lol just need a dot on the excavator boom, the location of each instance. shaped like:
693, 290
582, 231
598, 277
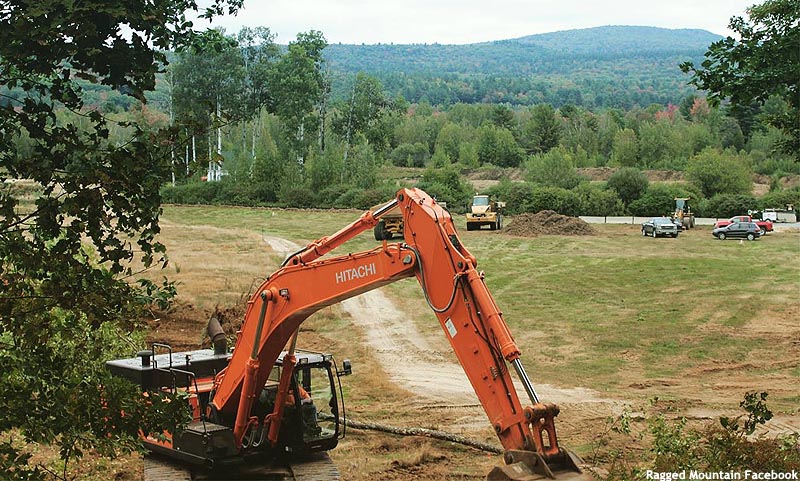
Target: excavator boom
452, 287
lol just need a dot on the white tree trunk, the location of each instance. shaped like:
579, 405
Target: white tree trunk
256, 125
219, 131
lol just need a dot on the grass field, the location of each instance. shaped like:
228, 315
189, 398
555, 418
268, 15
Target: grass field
692, 320
595, 307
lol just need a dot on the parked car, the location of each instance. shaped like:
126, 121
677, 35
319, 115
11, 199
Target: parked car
764, 225
660, 226
738, 230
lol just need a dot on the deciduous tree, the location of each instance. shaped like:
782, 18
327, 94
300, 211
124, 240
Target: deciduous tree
715, 172
298, 86
764, 61
65, 256
629, 183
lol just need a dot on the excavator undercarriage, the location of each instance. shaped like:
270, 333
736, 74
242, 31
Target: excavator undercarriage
311, 467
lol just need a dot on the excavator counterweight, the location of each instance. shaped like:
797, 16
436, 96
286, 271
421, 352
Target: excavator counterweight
268, 400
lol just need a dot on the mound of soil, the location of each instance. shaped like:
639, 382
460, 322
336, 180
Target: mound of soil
183, 326
548, 222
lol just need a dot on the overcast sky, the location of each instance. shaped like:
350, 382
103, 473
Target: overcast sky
468, 21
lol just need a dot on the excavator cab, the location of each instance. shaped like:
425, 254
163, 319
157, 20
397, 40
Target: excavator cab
312, 410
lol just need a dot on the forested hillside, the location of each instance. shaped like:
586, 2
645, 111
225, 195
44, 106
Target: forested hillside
612, 66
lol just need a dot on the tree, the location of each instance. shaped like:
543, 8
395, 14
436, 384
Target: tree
65, 257
556, 168
543, 131
210, 87
625, 148
259, 51
659, 143
715, 172
298, 87
764, 62
497, 146
503, 116
629, 183
367, 112
451, 138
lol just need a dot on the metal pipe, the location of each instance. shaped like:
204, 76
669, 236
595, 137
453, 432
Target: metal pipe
249, 387
389, 206
217, 336
523, 376
260, 325
293, 343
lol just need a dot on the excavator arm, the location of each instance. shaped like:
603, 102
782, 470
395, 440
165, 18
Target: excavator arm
453, 288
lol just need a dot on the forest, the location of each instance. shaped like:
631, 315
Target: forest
601, 67
292, 126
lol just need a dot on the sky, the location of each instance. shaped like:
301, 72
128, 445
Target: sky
470, 21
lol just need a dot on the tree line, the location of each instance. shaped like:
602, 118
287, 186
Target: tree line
327, 152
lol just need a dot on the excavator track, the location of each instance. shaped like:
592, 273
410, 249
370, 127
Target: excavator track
160, 469
315, 467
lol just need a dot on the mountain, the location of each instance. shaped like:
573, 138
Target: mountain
610, 66
622, 40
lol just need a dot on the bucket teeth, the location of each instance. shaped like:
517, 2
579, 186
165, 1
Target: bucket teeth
532, 466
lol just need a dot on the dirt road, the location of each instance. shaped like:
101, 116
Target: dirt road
434, 376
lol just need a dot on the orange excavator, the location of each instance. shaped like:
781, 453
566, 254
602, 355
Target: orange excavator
275, 409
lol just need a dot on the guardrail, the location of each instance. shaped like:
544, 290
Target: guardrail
636, 220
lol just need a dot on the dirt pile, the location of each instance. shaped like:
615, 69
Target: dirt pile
548, 222
183, 326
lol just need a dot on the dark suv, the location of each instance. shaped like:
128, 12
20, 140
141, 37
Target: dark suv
738, 230
660, 226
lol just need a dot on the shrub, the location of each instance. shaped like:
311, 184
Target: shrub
301, 197
722, 447
516, 195
597, 201
327, 197
727, 205
355, 198
555, 168
660, 200
446, 185
410, 155
779, 198
563, 201
629, 183
192, 193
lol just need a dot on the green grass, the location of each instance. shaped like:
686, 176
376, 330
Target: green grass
596, 311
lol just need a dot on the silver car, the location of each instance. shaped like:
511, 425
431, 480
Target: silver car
660, 226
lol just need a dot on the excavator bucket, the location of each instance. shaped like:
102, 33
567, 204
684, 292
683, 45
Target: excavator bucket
532, 466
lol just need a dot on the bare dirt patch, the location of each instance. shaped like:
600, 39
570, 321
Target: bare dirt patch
596, 174
548, 222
